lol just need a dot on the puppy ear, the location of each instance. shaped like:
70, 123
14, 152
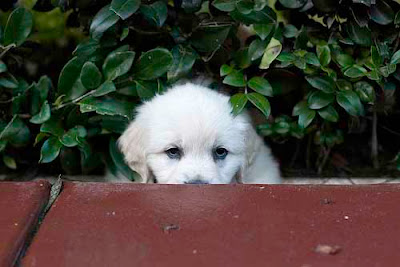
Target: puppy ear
132, 145
253, 145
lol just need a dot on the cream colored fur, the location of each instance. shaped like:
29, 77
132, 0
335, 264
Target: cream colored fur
197, 120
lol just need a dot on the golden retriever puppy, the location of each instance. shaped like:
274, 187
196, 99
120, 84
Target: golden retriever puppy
189, 135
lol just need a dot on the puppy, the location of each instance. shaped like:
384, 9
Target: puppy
189, 135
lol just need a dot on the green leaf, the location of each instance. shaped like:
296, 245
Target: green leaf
107, 106
155, 13
263, 30
343, 84
225, 70
306, 116
264, 16
145, 89
18, 27
292, 3
271, 53
235, 78
329, 113
183, 61
3, 145
397, 18
103, 20
50, 150
43, 115
365, 91
8, 82
69, 82
238, 102
90, 75
355, 72
387, 70
375, 56
153, 64
373, 75
323, 83
350, 101
52, 126
382, 13
117, 64
3, 67
324, 54
124, 34
9, 162
319, 99
260, 85
125, 8
39, 93
290, 31
395, 58
242, 58
261, 102
361, 36
15, 132
256, 49
312, 59
299, 107
224, 5
209, 39
71, 137
244, 6
105, 88
345, 60
286, 57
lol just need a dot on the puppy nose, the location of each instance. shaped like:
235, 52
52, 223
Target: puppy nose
197, 181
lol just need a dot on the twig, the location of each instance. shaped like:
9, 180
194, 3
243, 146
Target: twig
6, 49
75, 100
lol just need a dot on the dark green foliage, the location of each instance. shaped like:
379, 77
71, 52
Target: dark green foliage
343, 58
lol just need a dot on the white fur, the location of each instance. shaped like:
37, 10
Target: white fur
197, 120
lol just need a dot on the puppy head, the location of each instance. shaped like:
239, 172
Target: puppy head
188, 135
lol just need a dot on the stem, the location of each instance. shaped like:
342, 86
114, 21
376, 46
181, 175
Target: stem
374, 141
327, 152
75, 100
6, 49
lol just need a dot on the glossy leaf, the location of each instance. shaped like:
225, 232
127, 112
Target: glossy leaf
256, 49
382, 13
119, 162
43, 115
103, 20
125, 8
209, 39
235, 78
106, 88
183, 61
152, 64
50, 150
306, 116
3, 67
293, 3
375, 56
261, 102
319, 99
260, 85
329, 113
71, 137
263, 30
395, 58
238, 102
69, 82
225, 70
343, 84
324, 54
18, 27
323, 83
344, 60
350, 101
90, 75
107, 106
355, 71
156, 13
224, 5
117, 64
145, 89
290, 31
312, 59
9, 162
365, 91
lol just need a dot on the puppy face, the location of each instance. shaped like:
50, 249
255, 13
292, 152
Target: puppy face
187, 135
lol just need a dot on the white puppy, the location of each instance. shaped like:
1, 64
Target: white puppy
188, 135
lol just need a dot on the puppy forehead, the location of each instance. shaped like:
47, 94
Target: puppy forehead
192, 114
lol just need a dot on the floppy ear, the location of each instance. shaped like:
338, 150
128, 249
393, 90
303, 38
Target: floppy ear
254, 144
132, 145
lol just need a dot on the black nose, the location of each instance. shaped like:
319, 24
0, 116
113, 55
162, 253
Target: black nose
197, 182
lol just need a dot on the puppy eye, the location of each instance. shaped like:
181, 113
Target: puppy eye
220, 153
173, 153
